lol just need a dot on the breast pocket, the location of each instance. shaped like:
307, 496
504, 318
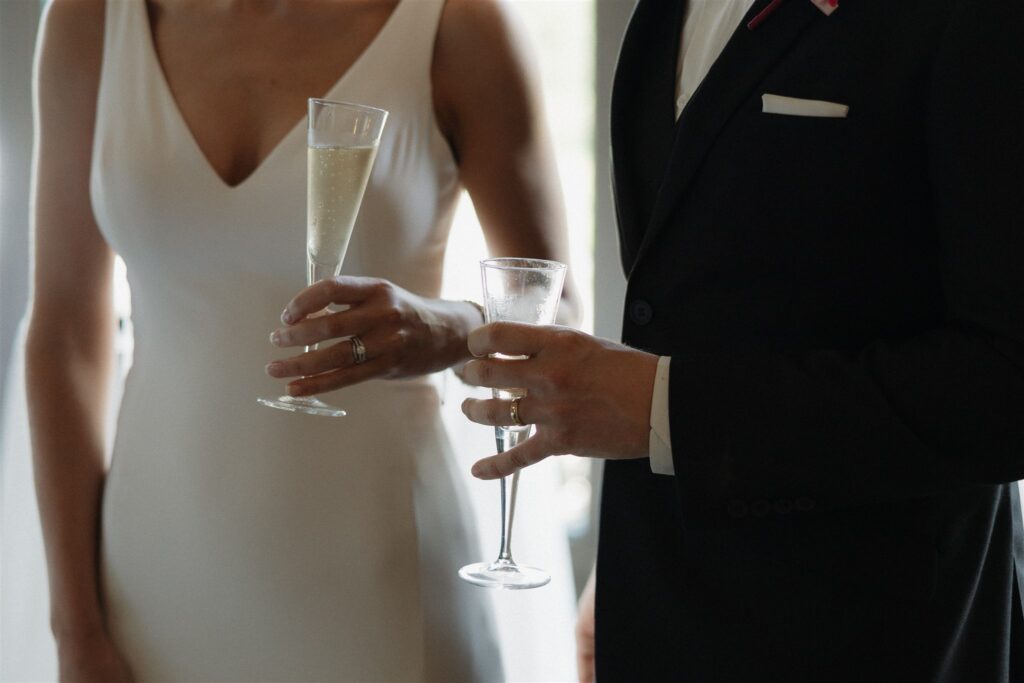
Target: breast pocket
782, 105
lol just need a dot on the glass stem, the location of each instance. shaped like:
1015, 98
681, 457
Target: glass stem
506, 439
504, 554
315, 272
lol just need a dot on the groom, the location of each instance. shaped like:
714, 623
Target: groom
814, 426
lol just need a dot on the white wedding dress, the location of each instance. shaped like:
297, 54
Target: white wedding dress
241, 543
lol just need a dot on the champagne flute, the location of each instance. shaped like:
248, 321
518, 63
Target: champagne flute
527, 291
342, 143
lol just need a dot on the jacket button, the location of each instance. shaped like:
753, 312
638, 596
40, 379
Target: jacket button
640, 312
738, 509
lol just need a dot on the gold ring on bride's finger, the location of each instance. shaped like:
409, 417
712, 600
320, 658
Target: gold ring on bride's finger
513, 411
358, 350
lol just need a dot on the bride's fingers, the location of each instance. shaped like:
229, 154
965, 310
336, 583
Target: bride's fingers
338, 379
342, 289
324, 327
527, 453
314, 362
333, 357
498, 411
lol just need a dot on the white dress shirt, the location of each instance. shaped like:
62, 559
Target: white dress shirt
707, 28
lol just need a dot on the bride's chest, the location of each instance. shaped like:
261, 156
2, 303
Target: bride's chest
240, 82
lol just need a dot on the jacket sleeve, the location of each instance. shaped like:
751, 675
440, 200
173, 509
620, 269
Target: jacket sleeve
936, 412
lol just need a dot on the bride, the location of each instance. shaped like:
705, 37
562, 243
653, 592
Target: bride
229, 541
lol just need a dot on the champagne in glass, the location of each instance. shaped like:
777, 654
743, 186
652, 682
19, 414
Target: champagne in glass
527, 291
336, 179
343, 140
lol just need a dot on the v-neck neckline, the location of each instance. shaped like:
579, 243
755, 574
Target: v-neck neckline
165, 87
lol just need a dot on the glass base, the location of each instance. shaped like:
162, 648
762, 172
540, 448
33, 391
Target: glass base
302, 404
504, 574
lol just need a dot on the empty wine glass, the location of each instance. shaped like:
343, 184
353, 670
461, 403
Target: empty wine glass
527, 291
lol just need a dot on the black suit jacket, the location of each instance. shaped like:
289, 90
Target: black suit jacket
843, 301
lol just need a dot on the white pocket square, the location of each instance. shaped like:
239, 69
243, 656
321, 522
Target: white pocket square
794, 106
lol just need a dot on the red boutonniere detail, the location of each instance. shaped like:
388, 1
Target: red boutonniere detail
826, 6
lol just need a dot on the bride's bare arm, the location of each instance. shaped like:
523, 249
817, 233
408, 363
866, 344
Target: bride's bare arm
488, 108
70, 332
487, 101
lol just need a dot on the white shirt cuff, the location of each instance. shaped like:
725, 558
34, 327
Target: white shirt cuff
660, 445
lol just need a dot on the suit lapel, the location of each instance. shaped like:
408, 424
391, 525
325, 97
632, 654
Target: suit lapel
746, 60
642, 115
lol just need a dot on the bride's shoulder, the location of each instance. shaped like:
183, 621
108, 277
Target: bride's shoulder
77, 21
70, 48
483, 20
69, 58
482, 68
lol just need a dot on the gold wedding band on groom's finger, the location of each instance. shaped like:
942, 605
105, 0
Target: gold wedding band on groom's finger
513, 411
358, 350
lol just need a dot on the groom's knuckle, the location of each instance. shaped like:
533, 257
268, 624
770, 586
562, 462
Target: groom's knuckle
555, 379
569, 340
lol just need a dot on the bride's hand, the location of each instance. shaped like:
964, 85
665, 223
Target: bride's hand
403, 334
92, 659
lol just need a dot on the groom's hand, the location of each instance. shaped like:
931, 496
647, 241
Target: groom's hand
586, 396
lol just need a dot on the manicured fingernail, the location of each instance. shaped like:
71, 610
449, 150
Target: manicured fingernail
275, 338
465, 407
286, 317
477, 471
293, 390
272, 368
